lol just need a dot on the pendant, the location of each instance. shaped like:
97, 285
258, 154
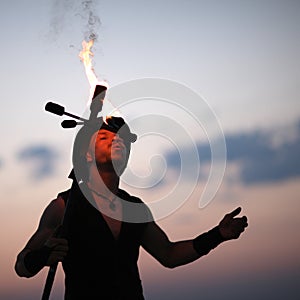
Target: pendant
112, 206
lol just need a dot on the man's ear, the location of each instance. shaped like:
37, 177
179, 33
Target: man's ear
89, 157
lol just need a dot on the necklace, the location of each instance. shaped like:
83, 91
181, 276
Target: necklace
112, 205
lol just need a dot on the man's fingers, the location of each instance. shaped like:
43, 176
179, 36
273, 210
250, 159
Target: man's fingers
61, 248
61, 241
234, 213
52, 242
245, 220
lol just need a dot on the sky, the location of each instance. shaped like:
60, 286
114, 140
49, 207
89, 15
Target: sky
190, 77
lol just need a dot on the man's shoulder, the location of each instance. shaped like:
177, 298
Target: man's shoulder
64, 195
121, 193
128, 197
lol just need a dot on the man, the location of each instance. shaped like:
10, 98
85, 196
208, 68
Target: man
100, 251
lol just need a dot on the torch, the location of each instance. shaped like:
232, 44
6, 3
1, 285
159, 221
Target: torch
95, 108
79, 149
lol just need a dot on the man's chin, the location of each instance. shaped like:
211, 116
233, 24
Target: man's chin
119, 165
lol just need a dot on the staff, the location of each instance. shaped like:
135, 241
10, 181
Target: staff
78, 148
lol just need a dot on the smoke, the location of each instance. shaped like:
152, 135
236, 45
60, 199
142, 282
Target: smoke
59, 15
69, 17
91, 20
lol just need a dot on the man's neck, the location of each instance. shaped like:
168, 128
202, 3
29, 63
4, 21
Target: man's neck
104, 181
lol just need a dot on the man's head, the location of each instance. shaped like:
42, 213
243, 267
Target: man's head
107, 147
108, 151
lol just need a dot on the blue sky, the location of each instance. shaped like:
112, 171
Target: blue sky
242, 57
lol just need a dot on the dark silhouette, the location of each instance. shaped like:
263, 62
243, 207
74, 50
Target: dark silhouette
98, 250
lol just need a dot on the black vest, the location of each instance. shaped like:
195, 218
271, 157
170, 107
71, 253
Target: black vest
97, 265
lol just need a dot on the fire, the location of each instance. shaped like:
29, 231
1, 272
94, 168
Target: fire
86, 56
109, 111
105, 120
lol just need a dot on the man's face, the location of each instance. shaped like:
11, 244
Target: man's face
108, 150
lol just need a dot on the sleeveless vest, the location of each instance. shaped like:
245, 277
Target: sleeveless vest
97, 265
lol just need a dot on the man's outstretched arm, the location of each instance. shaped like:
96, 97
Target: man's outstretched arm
173, 254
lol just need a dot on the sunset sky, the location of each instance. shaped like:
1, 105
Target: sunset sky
240, 60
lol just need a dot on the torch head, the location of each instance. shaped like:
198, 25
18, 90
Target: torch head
97, 100
100, 91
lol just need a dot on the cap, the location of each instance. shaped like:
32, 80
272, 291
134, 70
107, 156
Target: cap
118, 125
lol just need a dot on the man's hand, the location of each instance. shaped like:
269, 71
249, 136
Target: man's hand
230, 227
59, 249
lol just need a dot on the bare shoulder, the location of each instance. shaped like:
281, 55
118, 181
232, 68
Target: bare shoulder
48, 223
53, 214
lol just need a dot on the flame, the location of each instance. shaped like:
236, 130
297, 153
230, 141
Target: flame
110, 111
86, 56
106, 119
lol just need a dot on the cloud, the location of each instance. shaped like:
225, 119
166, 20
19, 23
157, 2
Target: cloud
263, 162
41, 159
259, 157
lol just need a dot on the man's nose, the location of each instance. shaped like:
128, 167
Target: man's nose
118, 139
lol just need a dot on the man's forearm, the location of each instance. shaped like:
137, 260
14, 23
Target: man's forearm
181, 253
31, 262
184, 252
20, 267
207, 241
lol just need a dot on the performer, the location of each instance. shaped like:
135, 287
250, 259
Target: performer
99, 251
